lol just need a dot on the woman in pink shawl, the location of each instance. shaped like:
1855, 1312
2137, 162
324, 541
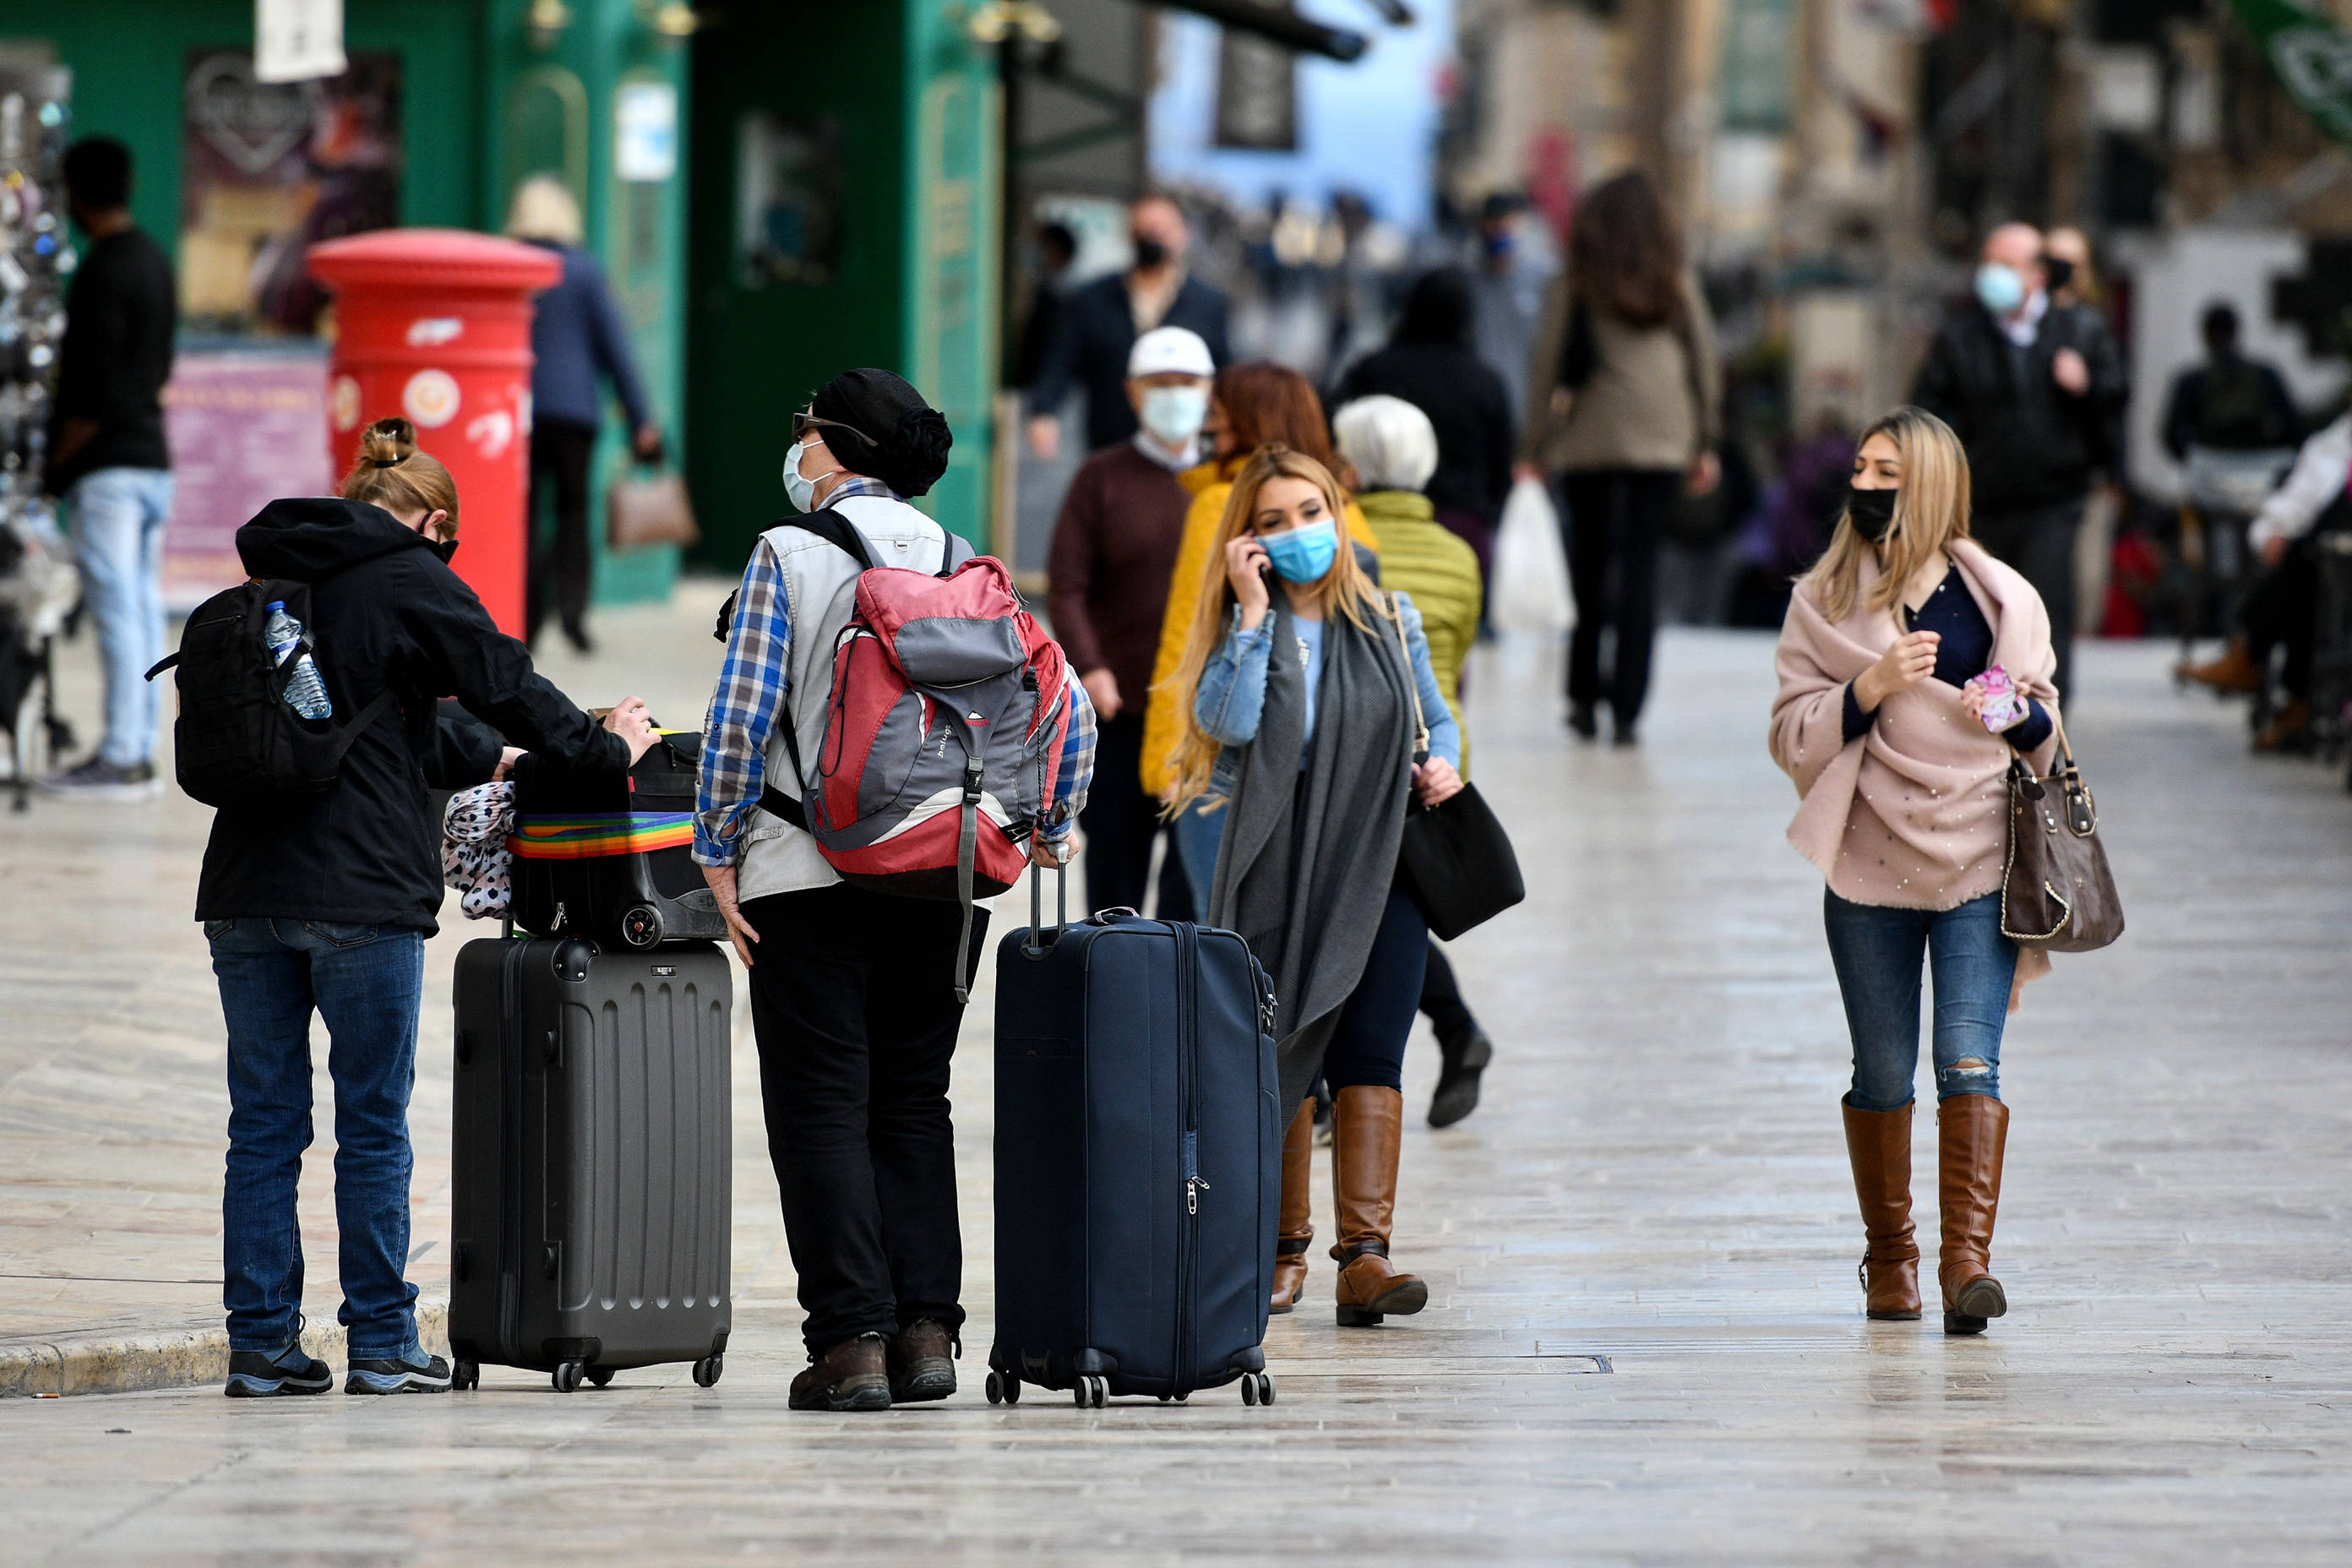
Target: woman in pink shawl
1912, 667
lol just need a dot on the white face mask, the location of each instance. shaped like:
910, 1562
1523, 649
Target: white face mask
802, 493
1174, 414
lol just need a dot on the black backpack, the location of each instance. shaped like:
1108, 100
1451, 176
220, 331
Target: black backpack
237, 737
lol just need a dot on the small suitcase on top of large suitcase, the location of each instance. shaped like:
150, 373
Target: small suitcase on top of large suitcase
590, 1175
1138, 1152
609, 855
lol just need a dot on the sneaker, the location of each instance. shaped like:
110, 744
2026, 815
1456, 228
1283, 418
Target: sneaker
398, 1376
97, 780
257, 1375
921, 1361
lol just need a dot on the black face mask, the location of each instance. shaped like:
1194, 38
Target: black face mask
1872, 511
1150, 252
2058, 271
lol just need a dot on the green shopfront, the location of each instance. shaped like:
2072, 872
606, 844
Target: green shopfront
776, 192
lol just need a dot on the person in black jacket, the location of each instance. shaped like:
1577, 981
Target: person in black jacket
1099, 324
324, 902
1430, 364
2035, 389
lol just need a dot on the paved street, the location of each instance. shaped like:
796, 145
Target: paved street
1645, 1343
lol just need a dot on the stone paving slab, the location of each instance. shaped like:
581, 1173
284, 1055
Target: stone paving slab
1656, 1179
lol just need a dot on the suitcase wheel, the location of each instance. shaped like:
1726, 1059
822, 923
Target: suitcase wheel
1265, 1388
1249, 1388
599, 1376
707, 1370
566, 1376
1089, 1391
641, 926
1003, 1388
465, 1375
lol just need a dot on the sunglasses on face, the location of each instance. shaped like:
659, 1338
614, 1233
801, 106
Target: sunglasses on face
803, 423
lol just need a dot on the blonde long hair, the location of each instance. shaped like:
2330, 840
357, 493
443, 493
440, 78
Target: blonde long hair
1344, 588
1931, 509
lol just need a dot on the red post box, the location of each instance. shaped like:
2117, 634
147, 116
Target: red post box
435, 324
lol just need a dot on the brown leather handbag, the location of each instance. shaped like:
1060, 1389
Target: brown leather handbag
649, 508
2056, 892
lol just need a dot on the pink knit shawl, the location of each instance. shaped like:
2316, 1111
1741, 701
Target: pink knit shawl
1913, 814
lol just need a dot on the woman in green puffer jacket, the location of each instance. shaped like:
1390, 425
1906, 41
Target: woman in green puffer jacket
1393, 449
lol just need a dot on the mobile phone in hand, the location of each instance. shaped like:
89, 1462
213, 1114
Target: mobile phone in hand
2004, 704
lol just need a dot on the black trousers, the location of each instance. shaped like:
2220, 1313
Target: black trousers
1441, 998
1122, 823
2282, 610
2039, 543
853, 1005
1612, 522
559, 566
1368, 1045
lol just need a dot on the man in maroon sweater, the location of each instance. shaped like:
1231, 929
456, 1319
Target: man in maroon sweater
1114, 550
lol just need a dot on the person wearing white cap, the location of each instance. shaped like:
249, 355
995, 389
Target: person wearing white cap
1114, 551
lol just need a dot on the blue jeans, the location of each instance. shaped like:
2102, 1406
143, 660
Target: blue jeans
118, 541
367, 982
1878, 953
1198, 834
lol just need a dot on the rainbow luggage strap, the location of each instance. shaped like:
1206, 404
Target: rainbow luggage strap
593, 836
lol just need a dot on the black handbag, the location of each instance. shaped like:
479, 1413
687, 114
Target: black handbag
1454, 855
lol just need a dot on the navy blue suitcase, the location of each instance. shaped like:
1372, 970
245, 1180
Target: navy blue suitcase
1138, 1160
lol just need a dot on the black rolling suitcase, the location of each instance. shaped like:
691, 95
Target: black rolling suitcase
610, 857
1138, 1154
590, 1169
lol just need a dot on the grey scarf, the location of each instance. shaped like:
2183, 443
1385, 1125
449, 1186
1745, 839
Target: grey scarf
1305, 867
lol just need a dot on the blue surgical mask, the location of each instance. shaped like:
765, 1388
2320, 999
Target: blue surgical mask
2002, 288
1304, 554
800, 492
1174, 414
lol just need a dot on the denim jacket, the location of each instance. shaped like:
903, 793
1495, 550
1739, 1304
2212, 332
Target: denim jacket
1233, 691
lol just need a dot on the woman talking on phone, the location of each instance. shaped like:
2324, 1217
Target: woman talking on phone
1912, 667
1298, 691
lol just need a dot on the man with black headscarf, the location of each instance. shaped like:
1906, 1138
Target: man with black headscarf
1430, 364
852, 1000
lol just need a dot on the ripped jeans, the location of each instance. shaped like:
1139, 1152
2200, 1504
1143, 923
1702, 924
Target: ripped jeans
1877, 951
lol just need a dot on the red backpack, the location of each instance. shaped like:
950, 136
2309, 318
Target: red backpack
944, 733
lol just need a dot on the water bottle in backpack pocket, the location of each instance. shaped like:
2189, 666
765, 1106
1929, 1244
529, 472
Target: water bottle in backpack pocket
305, 692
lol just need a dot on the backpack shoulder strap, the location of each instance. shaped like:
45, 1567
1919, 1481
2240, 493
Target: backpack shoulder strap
958, 552
836, 529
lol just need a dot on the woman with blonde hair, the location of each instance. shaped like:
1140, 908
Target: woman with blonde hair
576, 335
1912, 668
1302, 689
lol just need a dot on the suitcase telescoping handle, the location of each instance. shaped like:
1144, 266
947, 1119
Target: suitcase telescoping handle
1031, 946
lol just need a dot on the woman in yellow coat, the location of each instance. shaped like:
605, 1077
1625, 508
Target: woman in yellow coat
1252, 405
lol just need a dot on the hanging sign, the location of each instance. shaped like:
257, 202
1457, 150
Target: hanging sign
2311, 54
645, 132
297, 40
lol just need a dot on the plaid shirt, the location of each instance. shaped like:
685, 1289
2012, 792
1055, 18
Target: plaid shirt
754, 694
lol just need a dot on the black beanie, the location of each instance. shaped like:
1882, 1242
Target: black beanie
905, 439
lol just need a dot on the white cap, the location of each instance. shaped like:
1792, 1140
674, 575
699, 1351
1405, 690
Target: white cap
1170, 351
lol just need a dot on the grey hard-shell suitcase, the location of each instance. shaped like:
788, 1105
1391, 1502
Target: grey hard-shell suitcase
592, 1158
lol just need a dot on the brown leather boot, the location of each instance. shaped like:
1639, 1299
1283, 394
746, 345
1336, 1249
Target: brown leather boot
1972, 1131
921, 1361
2290, 728
1878, 1143
1367, 1128
2235, 671
1297, 1226
850, 1375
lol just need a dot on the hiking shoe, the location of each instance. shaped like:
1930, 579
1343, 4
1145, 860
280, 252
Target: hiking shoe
922, 1359
257, 1375
392, 1374
849, 1376
97, 780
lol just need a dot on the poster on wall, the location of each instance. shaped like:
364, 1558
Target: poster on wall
788, 206
270, 168
245, 426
